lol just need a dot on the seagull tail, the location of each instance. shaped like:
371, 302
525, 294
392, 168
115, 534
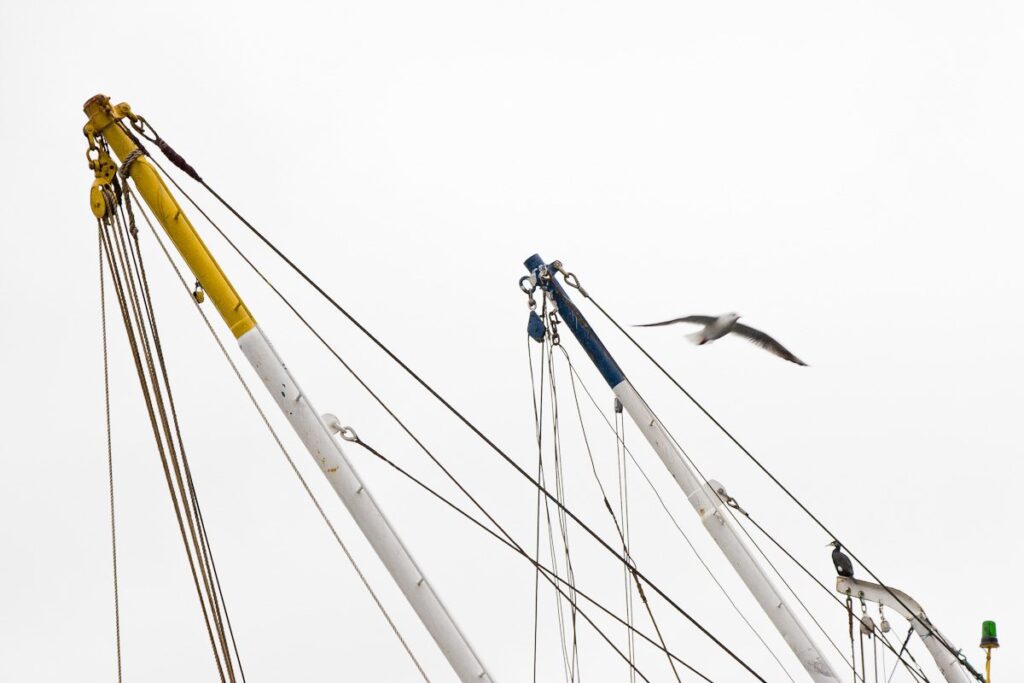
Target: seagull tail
697, 338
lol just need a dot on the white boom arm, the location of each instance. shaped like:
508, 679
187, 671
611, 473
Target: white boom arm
947, 662
331, 460
722, 530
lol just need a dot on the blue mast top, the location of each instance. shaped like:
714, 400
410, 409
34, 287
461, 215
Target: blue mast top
576, 323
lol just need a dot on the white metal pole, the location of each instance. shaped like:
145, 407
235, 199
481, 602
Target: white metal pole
706, 503
718, 523
912, 611
331, 460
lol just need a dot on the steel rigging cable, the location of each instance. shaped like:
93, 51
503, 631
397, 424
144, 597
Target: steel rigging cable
110, 452
179, 161
184, 284
131, 288
574, 283
287, 455
433, 392
615, 521
560, 497
730, 508
550, 575
537, 412
205, 552
671, 517
538, 403
541, 489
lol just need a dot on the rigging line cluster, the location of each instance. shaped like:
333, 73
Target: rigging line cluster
563, 525
568, 661
560, 584
730, 505
119, 240
917, 673
284, 451
956, 653
218, 592
316, 287
451, 408
548, 346
537, 412
631, 566
664, 506
337, 356
323, 341
549, 574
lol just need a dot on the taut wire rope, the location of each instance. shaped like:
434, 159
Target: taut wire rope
110, 454
675, 522
511, 544
732, 508
468, 423
608, 506
538, 401
549, 575
961, 659
125, 288
287, 455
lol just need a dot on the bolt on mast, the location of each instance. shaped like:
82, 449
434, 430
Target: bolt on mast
705, 501
105, 122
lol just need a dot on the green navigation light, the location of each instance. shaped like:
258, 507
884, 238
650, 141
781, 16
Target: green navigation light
988, 635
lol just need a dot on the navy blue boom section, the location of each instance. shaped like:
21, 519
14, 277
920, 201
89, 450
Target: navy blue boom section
577, 324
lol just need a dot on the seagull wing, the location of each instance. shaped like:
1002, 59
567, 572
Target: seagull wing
765, 342
696, 319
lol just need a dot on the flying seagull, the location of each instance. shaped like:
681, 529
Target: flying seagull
716, 328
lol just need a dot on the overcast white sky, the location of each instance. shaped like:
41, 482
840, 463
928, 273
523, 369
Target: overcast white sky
846, 175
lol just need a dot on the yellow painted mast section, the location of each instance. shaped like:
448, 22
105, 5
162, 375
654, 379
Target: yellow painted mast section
104, 121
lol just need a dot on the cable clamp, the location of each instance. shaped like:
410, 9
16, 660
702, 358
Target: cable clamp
139, 123
570, 278
729, 500
126, 165
528, 285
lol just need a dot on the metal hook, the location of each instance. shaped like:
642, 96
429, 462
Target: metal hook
528, 290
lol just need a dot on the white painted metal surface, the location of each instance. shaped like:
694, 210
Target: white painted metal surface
331, 460
722, 530
923, 627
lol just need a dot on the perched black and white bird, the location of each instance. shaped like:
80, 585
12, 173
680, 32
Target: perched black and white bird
718, 327
844, 567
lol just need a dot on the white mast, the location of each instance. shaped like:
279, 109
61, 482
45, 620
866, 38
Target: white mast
706, 503
331, 460
104, 121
